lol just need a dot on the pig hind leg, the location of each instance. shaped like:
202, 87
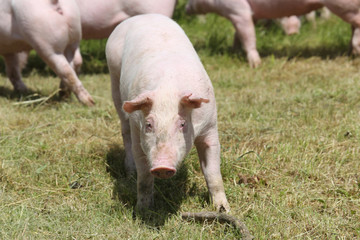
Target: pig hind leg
14, 63
245, 31
69, 80
73, 56
208, 149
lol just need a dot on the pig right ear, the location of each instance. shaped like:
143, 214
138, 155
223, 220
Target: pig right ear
141, 102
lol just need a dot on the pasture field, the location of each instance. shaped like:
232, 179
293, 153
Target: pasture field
289, 133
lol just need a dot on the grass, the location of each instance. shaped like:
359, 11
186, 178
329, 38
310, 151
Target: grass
290, 146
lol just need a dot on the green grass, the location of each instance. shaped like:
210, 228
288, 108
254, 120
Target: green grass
290, 146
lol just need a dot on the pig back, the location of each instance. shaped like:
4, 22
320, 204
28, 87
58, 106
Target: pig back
158, 53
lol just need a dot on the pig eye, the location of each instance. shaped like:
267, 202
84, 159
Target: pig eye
182, 125
148, 127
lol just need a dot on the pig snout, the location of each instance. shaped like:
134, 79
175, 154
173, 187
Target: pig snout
163, 172
163, 161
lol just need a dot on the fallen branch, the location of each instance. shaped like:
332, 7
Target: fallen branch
222, 218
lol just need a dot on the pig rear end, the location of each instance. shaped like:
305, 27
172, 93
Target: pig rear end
53, 29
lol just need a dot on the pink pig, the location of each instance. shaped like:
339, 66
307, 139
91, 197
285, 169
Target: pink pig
291, 25
242, 13
53, 29
165, 101
99, 17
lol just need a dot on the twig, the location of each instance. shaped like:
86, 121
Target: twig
39, 100
222, 218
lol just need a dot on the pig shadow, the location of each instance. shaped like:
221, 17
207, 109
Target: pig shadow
217, 47
218, 44
168, 194
31, 98
326, 52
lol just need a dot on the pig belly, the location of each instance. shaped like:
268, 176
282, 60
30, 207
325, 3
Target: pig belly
12, 45
282, 8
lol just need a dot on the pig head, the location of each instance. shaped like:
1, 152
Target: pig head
166, 129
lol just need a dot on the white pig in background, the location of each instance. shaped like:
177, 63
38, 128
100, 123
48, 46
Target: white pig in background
242, 12
53, 29
100, 17
166, 103
291, 25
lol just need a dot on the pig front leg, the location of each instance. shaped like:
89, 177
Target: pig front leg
125, 125
145, 180
208, 148
126, 134
14, 63
145, 185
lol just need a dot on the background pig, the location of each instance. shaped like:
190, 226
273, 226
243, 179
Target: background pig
166, 103
242, 12
99, 18
53, 29
291, 25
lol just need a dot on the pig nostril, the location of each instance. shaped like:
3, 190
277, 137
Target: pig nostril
170, 173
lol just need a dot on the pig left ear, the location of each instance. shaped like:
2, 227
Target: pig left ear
139, 103
191, 101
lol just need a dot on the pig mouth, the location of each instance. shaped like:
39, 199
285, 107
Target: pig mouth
163, 172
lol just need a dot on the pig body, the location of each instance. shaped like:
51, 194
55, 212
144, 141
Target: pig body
166, 103
99, 18
52, 28
242, 13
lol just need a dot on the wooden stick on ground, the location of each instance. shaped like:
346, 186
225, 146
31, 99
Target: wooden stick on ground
222, 218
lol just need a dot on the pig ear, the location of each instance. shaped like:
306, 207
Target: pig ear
139, 103
191, 101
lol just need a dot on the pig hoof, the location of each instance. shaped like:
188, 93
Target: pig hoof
163, 172
223, 207
254, 59
21, 88
86, 99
